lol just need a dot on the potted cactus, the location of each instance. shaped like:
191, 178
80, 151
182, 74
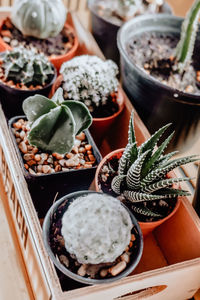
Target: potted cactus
56, 152
141, 178
41, 24
23, 72
89, 79
72, 233
109, 15
160, 71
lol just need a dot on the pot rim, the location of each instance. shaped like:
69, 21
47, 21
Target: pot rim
52, 59
120, 102
66, 271
195, 99
145, 224
29, 176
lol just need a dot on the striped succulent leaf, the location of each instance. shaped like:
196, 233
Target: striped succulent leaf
131, 130
142, 210
162, 184
150, 163
134, 173
164, 159
172, 193
128, 157
141, 197
116, 183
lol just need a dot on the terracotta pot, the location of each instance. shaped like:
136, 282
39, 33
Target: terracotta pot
58, 59
146, 227
99, 126
12, 98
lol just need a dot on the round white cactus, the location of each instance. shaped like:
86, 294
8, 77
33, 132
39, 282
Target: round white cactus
96, 228
39, 18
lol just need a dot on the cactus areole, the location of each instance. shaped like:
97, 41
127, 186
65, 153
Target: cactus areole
96, 228
55, 122
39, 18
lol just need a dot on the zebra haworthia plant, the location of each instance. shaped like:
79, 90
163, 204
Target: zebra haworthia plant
185, 47
142, 171
55, 122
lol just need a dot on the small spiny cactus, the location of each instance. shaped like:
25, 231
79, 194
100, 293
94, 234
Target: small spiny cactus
26, 66
55, 122
185, 47
142, 172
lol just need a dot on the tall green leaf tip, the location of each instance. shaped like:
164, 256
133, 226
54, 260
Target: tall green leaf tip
55, 123
185, 47
142, 171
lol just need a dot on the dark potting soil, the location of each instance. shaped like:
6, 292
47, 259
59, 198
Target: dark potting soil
59, 45
154, 53
57, 245
161, 207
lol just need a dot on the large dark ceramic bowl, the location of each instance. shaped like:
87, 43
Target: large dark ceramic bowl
12, 98
44, 188
46, 237
156, 103
105, 31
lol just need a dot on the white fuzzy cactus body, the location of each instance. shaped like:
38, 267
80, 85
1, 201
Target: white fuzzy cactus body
96, 228
39, 18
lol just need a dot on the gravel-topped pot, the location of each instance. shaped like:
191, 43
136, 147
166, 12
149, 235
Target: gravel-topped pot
156, 102
83, 264
41, 24
18, 84
105, 30
142, 178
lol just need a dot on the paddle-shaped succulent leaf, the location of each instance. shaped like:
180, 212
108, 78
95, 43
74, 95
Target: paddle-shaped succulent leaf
142, 172
39, 18
26, 66
185, 47
55, 123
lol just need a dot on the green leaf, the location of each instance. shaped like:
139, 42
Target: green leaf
54, 131
36, 106
131, 130
58, 96
81, 115
141, 197
128, 157
172, 193
116, 183
141, 210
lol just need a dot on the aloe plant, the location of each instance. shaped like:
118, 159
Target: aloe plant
55, 122
142, 171
185, 47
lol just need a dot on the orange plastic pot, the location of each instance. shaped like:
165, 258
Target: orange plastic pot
99, 126
56, 60
146, 227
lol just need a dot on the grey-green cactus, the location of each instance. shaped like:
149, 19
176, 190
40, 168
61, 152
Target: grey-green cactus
26, 66
55, 122
185, 47
39, 18
142, 171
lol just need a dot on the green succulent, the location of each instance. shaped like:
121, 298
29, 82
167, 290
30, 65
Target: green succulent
185, 47
55, 122
142, 171
26, 66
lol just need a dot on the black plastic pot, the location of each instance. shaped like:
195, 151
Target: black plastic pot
156, 103
105, 31
44, 188
46, 237
12, 98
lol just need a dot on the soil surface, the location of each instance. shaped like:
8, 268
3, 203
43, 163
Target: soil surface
56, 242
162, 207
154, 53
59, 45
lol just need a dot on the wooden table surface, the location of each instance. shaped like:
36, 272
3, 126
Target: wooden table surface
14, 284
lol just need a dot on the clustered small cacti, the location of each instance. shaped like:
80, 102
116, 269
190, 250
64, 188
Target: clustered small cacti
89, 79
55, 123
185, 47
142, 172
96, 229
26, 66
39, 18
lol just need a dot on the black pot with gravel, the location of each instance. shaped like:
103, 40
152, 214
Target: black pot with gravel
160, 74
55, 150
106, 21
